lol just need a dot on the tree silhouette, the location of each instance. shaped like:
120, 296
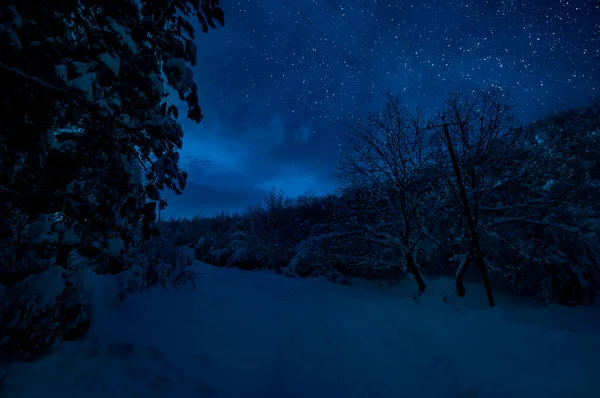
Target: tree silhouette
89, 137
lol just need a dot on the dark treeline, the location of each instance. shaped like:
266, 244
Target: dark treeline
533, 195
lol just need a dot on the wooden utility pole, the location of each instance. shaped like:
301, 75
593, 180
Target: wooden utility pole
468, 215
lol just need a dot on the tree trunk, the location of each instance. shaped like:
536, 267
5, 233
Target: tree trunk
62, 256
470, 221
460, 276
412, 266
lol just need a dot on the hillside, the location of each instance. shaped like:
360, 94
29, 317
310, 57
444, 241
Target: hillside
260, 335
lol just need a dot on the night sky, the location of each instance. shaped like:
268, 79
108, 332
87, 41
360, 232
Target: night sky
274, 87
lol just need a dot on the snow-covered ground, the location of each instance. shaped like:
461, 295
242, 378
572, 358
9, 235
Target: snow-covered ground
260, 335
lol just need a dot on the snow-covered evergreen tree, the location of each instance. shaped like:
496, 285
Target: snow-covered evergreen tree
89, 137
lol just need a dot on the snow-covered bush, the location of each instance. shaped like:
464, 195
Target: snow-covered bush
28, 246
40, 312
157, 263
210, 249
557, 266
337, 255
238, 253
229, 250
307, 260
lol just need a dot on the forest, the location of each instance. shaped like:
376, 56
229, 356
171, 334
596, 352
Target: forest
89, 142
532, 192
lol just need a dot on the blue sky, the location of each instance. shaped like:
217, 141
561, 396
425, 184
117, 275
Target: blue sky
274, 91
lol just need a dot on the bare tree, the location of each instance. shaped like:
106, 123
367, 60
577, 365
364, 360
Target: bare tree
385, 160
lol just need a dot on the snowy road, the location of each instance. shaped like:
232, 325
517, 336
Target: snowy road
260, 335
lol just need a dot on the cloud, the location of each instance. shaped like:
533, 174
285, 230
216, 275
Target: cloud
303, 133
198, 163
231, 167
294, 185
207, 200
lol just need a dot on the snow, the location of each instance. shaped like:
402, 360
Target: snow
125, 37
17, 21
193, 50
157, 84
185, 74
462, 261
46, 287
43, 291
290, 270
85, 83
61, 72
69, 236
115, 246
14, 40
112, 62
40, 230
81, 68
261, 335
100, 291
